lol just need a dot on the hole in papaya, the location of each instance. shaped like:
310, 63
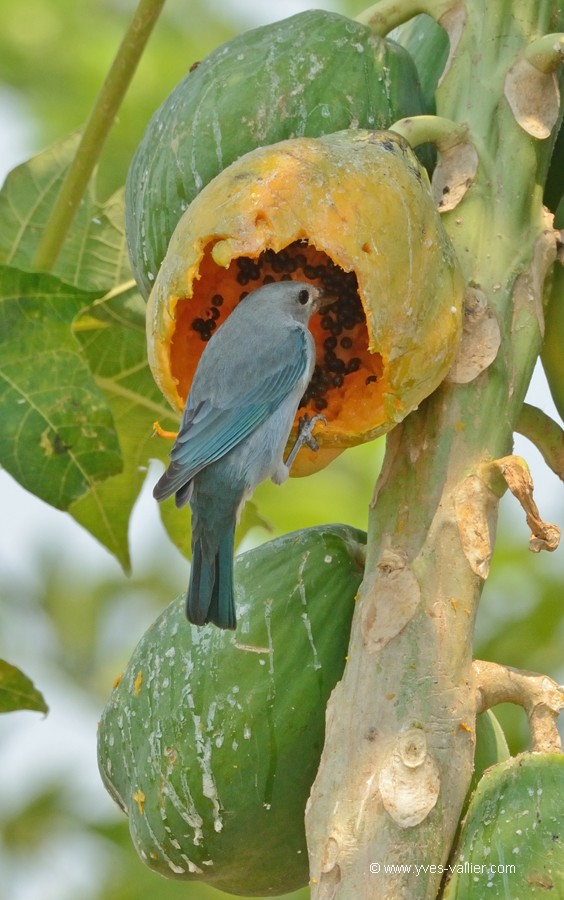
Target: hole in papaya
261, 220
366, 248
344, 367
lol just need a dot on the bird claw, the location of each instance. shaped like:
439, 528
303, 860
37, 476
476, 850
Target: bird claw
305, 436
305, 431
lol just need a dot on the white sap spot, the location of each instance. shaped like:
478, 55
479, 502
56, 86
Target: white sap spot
234, 745
267, 613
359, 48
300, 585
96, 221
174, 843
247, 732
170, 653
166, 682
307, 626
192, 867
325, 111
178, 870
203, 754
262, 662
211, 715
315, 66
516, 850
328, 558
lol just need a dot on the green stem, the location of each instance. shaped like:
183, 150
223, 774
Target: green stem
444, 133
388, 14
545, 434
432, 522
546, 53
95, 133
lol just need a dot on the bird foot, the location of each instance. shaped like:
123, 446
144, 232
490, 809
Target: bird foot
161, 432
305, 436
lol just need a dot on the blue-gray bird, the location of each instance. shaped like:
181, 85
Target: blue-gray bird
236, 423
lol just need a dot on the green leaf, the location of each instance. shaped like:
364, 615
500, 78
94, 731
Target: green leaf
17, 691
57, 437
94, 255
112, 334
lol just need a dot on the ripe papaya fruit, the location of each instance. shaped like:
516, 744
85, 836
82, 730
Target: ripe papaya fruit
311, 74
353, 212
210, 741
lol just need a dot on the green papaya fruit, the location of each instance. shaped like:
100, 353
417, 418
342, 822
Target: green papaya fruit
211, 740
552, 353
491, 748
554, 187
554, 184
311, 74
491, 745
428, 45
512, 842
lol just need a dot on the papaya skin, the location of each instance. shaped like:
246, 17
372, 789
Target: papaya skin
359, 200
210, 741
311, 74
552, 354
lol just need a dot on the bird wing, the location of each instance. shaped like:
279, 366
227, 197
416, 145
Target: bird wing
209, 430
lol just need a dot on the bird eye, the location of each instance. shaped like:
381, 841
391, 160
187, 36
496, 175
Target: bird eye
303, 297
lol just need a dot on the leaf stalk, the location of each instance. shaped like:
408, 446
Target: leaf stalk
95, 133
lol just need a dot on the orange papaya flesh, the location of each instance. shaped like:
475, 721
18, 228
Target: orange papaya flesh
345, 369
353, 213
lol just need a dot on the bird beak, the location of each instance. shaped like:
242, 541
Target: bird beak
324, 300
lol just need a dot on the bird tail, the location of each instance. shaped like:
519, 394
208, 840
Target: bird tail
210, 592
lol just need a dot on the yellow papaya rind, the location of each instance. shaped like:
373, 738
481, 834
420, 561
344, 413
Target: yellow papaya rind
363, 199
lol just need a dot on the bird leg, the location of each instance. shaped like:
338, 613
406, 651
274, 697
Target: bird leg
305, 436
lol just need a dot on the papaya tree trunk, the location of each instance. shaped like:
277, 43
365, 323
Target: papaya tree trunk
400, 733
